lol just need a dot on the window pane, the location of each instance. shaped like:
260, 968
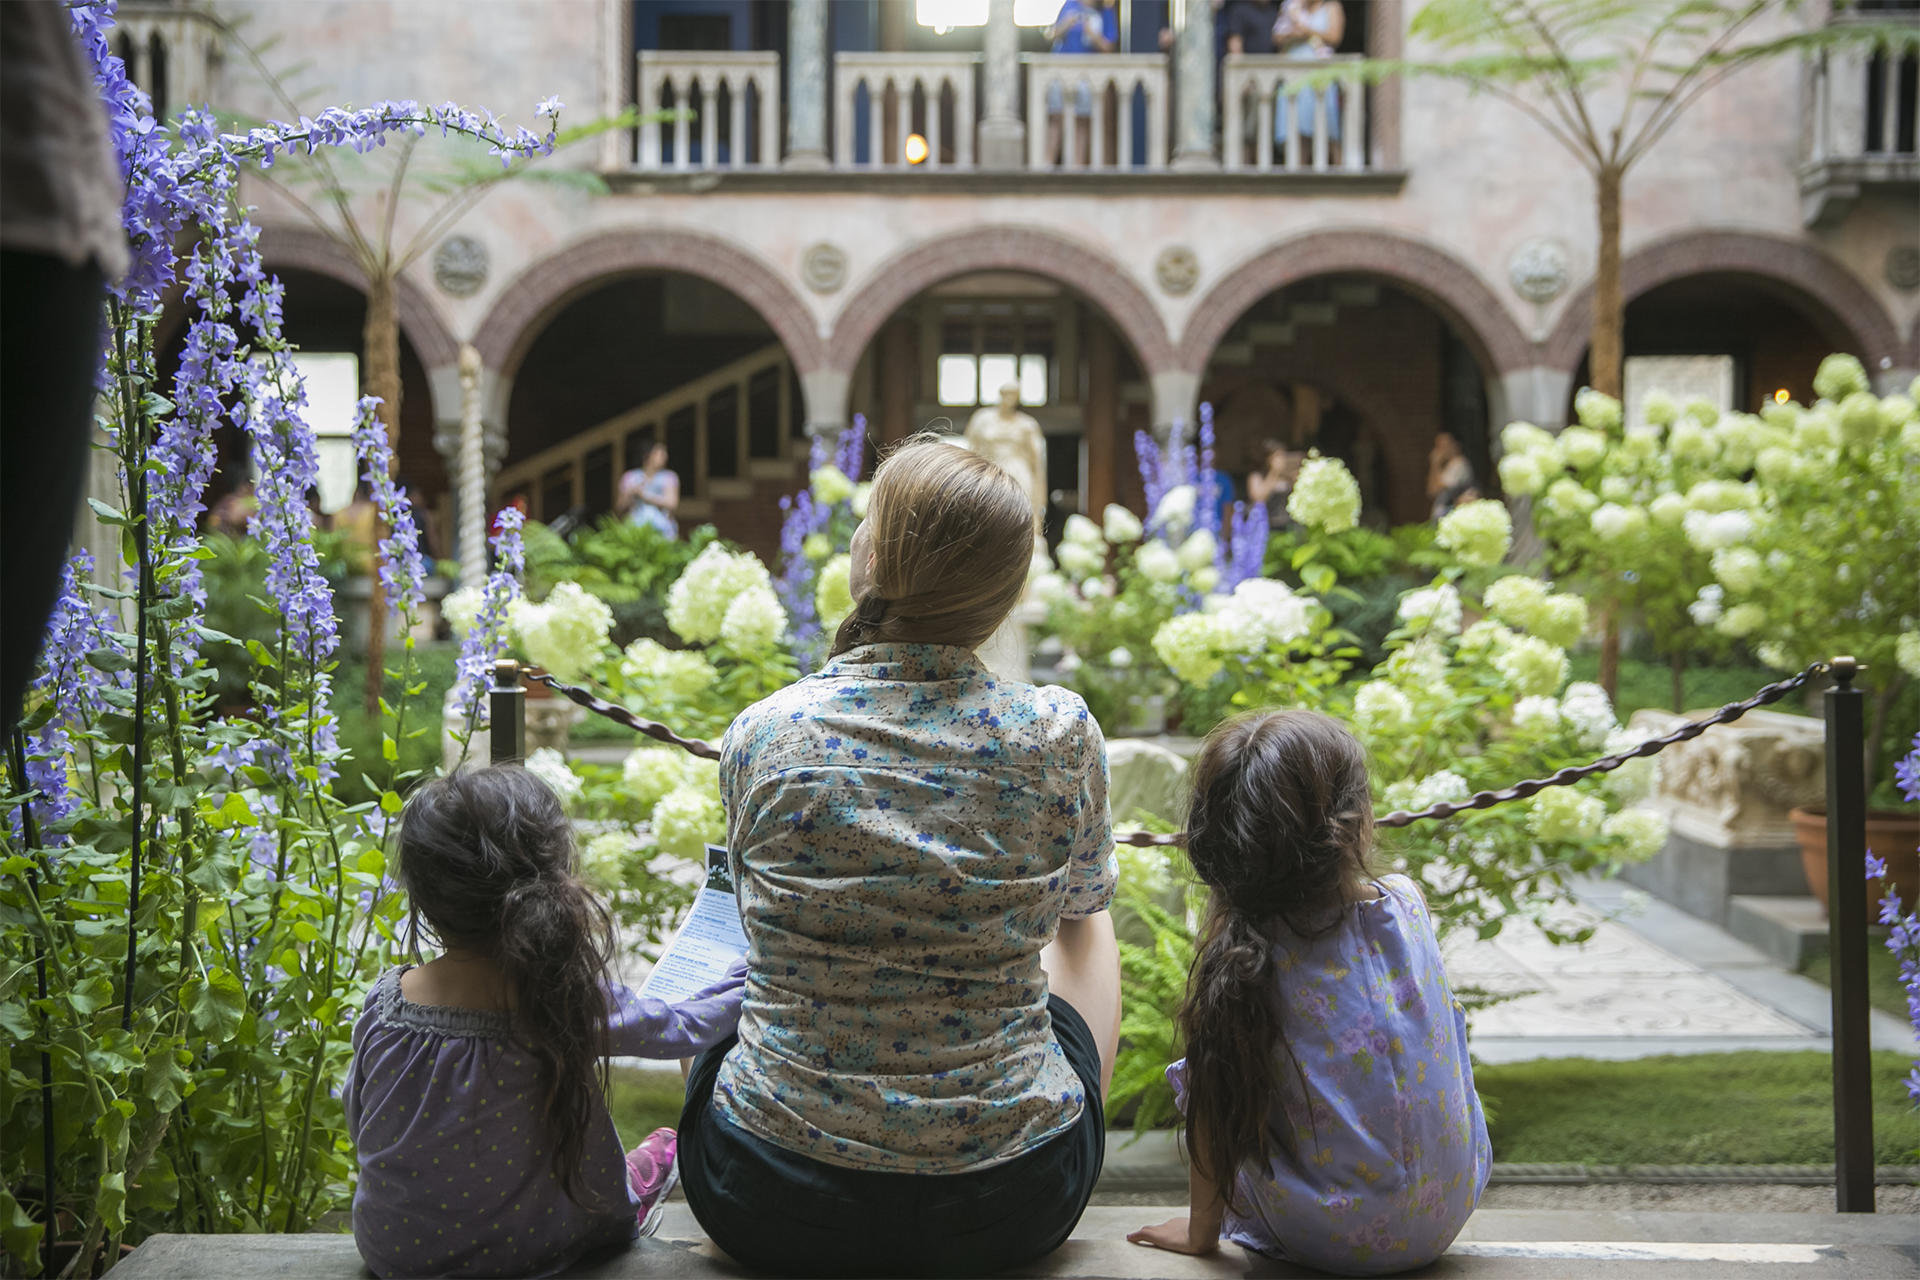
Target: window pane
958, 381
1033, 379
1701, 377
339, 472
996, 371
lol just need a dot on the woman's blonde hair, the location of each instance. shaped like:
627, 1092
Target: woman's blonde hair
952, 537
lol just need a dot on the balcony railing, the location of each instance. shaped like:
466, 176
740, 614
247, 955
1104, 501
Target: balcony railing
1271, 120
1863, 129
726, 110
169, 52
882, 99
724, 430
1126, 101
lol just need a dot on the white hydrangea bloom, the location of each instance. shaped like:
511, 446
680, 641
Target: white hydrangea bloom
818, 546
686, 820
566, 633
459, 608
603, 858
1588, 711
551, 768
1049, 588
1530, 665
1443, 785
1616, 488
1776, 465
833, 593
754, 622
1326, 497
1121, 658
1445, 877
1613, 522
677, 674
1187, 645
1816, 431
1484, 637
1524, 437
650, 772
1436, 608
1561, 813
1521, 474
1721, 495
1268, 612
1095, 588
1158, 562
1640, 443
1689, 441
1707, 606
1641, 833
1906, 653
862, 495
1596, 410
1174, 516
1205, 580
698, 600
1420, 667
1569, 499
1120, 524
1741, 620
1658, 408
1582, 447
1515, 599
1560, 619
1082, 532
1380, 708
1198, 551
1632, 781
1712, 530
830, 485
1535, 714
1840, 376
1738, 568
1478, 533
1668, 509
1079, 560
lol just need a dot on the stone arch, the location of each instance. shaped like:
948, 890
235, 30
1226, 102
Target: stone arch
539, 292
906, 275
1832, 295
1437, 278
304, 249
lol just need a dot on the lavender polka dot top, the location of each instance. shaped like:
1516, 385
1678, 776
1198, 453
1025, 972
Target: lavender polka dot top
455, 1176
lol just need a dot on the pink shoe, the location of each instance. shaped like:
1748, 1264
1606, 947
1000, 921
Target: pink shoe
652, 1172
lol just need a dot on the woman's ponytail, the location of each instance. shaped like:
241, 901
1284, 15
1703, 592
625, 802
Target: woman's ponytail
1230, 1025
487, 858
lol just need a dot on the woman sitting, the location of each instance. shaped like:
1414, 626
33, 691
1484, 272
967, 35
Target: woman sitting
924, 859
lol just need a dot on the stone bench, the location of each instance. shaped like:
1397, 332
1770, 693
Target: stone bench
1507, 1244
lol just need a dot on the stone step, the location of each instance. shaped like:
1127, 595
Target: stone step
1788, 929
1502, 1244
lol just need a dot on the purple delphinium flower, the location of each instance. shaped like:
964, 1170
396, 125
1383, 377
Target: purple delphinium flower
796, 576
1903, 928
1247, 544
1146, 455
487, 637
1206, 514
1906, 773
403, 570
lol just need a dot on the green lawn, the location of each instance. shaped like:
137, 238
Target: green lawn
1711, 1108
1716, 1108
1650, 684
1884, 991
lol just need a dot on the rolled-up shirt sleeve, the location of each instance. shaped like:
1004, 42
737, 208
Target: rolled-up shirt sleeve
643, 1027
1094, 870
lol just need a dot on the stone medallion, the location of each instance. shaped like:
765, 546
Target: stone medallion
1903, 267
824, 267
1538, 269
1177, 269
460, 265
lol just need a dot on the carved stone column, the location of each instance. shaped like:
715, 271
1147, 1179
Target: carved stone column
825, 393
1003, 138
807, 85
473, 450
1193, 88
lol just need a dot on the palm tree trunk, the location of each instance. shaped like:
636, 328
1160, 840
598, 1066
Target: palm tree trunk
380, 340
1607, 343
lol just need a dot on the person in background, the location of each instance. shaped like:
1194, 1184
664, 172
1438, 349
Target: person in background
1450, 478
1309, 30
1272, 485
1329, 1098
651, 495
475, 1098
1084, 26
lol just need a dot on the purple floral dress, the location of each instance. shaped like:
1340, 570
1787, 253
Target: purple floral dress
1389, 1147
444, 1107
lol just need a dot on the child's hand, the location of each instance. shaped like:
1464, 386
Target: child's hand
1175, 1235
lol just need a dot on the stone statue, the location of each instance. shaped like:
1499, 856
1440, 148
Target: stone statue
1012, 439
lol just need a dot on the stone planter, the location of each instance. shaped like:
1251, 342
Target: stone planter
1891, 835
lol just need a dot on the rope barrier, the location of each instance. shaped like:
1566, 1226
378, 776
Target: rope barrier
1399, 818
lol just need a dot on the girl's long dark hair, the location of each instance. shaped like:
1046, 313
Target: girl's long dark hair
1279, 828
487, 857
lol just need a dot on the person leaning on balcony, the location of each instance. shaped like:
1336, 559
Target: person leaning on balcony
1309, 30
1084, 26
650, 495
924, 858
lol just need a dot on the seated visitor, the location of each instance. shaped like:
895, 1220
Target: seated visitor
474, 1098
924, 858
1450, 479
1083, 26
650, 494
1330, 1107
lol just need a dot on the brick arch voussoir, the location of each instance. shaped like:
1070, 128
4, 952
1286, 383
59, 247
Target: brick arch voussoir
1829, 290
304, 249
1097, 278
538, 293
1430, 274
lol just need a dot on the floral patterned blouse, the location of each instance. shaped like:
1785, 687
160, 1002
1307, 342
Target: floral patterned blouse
1391, 1156
906, 832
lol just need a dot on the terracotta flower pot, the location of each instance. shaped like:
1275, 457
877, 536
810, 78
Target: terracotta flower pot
1891, 834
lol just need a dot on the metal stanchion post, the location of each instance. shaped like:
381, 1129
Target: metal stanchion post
1847, 940
507, 714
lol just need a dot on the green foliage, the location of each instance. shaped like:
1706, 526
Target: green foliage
234, 572
627, 565
1373, 570
1153, 977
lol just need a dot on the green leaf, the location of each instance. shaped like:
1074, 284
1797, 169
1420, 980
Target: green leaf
111, 1200
215, 1004
109, 660
390, 801
105, 513
1318, 578
20, 1233
94, 994
389, 748
1304, 554
17, 1020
